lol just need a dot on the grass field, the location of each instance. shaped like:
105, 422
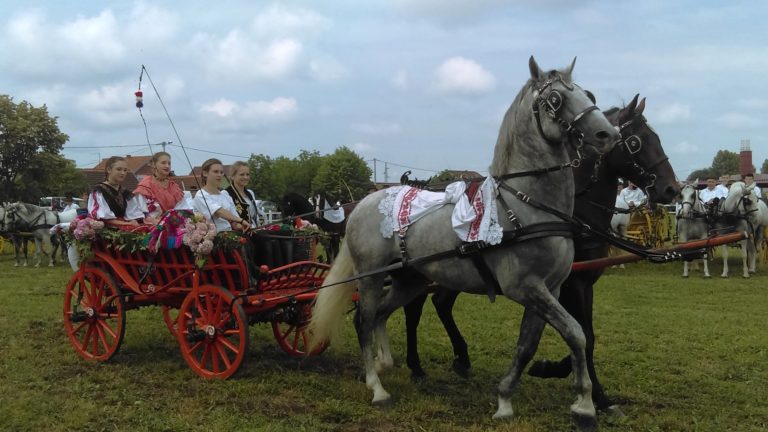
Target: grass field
679, 355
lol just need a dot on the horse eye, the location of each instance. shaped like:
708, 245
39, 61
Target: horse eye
590, 96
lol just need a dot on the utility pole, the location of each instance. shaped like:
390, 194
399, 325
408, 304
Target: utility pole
374, 171
386, 173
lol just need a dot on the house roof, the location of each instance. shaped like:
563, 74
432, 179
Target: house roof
139, 165
95, 176
199, 169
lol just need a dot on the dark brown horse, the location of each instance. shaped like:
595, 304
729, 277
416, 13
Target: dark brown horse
322, 211
640, 158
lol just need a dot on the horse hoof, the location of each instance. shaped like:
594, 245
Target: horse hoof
418, 375
583, 423
707, 276
613, 413
382, 403
461, 369
685, 276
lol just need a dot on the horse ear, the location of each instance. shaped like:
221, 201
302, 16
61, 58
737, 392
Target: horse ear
696, 182
536, 71
633, 104
640, 107
570, 68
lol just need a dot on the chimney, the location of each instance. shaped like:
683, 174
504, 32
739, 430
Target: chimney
745, 158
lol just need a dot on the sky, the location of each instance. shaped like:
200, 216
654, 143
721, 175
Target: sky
409, 84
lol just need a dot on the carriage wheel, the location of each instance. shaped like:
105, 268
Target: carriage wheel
213, 332
171, 319
94, 314
294, 338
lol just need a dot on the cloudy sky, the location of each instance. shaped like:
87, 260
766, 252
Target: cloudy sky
413, 83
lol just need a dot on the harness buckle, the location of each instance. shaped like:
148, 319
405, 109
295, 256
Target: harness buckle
472, 247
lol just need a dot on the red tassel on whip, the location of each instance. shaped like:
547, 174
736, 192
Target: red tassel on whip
139, 98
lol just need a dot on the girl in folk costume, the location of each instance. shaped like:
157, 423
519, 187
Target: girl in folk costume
216, 205
160, 192
111, 203
244, 199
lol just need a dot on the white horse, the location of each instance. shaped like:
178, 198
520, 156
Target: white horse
692, 221
740, 212
619, 224
532, 139
22, 217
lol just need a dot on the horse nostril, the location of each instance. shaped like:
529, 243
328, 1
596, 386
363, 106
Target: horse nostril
602, 135
670, 191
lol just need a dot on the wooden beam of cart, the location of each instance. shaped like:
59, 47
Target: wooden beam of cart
688, 246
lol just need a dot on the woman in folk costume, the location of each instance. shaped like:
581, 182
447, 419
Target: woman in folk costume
244, 199
113, 204
216, 205
160, 192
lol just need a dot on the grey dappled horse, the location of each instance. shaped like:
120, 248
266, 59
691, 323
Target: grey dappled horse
20, 243
692, 223
742, 210
23, 217
529, 272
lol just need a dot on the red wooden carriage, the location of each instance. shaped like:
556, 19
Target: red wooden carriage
207, 309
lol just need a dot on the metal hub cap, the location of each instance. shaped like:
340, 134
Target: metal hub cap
210, 330
90, 312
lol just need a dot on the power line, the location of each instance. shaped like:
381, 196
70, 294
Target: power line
98, 147
211, 152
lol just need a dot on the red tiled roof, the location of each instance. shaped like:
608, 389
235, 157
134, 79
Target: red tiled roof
139, 165
96, 176
198, 169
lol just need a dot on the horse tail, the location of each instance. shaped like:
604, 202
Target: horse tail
331, 302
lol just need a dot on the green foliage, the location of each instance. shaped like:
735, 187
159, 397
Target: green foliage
25, 133
678, 355
50, 175
701, 174
445, 176
343, 175
764, 168
725, 162
273, 178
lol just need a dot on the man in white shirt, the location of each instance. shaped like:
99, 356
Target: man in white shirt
712, 192
750, 179
69, 204
632, 196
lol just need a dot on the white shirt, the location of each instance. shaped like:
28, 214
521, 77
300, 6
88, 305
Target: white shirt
72, 206
98, 208
620, 203
207, 204
706, 195
635, 196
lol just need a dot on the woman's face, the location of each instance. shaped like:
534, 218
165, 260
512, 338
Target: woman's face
117, 172
163, 167
214, 175
242, 177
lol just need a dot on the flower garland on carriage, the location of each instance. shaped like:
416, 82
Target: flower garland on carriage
176, 228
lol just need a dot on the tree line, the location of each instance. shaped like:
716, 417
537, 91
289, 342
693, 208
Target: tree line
724, 163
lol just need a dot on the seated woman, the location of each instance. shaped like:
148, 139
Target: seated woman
244, 199
160, 192
111, 203
216, 205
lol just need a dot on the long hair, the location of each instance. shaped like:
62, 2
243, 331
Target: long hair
156, 157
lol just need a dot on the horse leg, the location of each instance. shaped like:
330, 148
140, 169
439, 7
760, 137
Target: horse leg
706, 267
685, 269
746, 250
370, 295
443, 300
413, 312
542, 303
402, 292
531, 329
725, 261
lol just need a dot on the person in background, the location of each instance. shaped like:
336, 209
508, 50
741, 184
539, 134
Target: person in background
632, 196
160, 192
215, 204
244, 198
750, 179
712, 194
69, 204
113, 204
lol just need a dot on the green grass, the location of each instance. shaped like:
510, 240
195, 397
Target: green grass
679, 355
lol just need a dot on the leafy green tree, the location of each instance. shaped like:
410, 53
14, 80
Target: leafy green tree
343, 175
445, 176
273, 178
25, 132
725, 162
50, 175
764, 168
701, 174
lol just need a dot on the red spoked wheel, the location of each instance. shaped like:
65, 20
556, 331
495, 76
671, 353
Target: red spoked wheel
94, 314
171, 319
294, 337
213, 332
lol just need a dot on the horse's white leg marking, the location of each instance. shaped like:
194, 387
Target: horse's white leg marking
685, 269
370, 297
706, 267
384, 359
725, 261
744, 256
505, 409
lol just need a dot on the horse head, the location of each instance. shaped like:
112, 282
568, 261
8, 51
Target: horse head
639, 156
294, 204
741, 200
689, 200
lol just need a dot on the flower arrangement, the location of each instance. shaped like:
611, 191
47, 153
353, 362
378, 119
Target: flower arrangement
199, 234
85, 228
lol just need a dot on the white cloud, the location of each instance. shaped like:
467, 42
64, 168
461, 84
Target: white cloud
240, 56
151, 24
462, 76
685, 147
93, 40
400, 80
327, 69
362, 147
378, 128
279, 20
453, 11
672, 113
252, 113
734, 120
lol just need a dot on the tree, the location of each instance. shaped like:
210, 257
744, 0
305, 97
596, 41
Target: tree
343, 175
445, 176
25, 132
701, 174
50, 175
273, 178
764, 168
725, 162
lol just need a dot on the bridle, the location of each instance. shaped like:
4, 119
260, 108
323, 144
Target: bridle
633, 144
694, 213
